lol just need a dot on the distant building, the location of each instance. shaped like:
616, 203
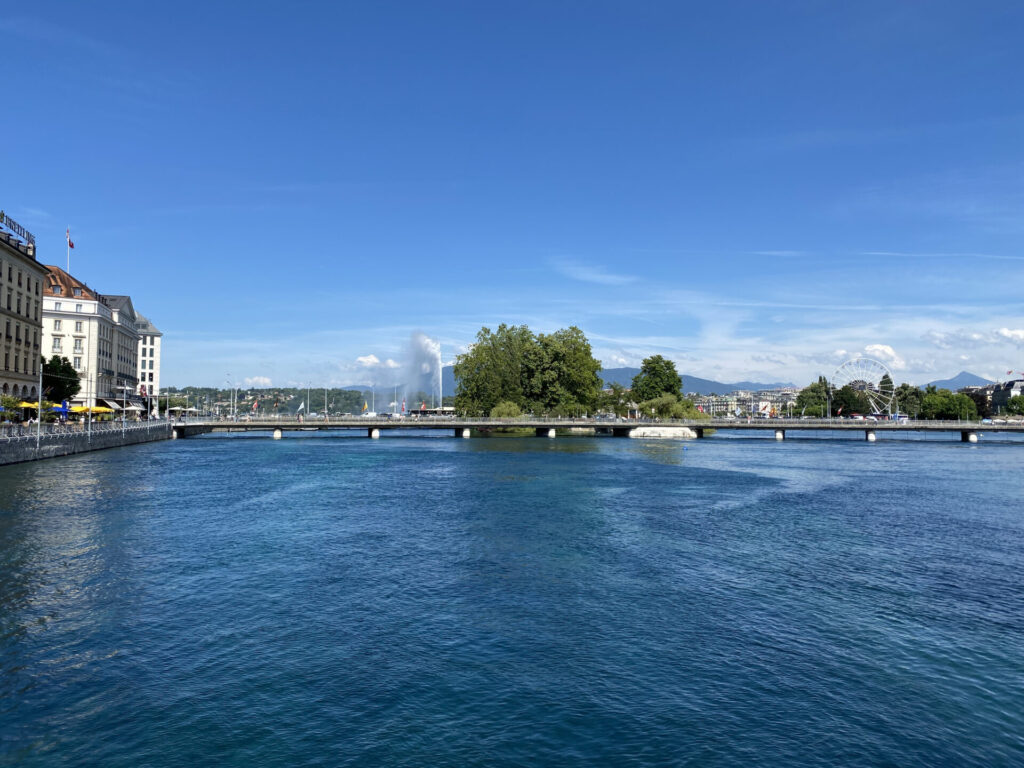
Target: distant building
1002, 393
98, 334
149, 356
21, 281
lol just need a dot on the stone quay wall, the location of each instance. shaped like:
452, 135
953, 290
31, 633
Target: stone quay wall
18, 445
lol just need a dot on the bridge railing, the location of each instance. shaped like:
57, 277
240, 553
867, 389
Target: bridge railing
448, 422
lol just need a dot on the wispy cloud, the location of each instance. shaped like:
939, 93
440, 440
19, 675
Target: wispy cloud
591, 273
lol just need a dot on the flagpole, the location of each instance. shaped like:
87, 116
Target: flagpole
68, 238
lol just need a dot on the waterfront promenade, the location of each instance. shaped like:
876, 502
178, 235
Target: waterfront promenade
20, 443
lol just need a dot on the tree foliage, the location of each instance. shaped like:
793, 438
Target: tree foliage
813, 399
657, 377
908, 399
670, 406
848, 400
60, 379
545, 373
1015, 405
505, 410
616, 400
943, 404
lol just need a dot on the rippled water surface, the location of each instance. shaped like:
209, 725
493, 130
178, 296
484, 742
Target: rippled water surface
419, 601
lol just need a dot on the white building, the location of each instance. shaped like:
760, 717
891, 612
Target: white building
150, 339
21, 281
97, 334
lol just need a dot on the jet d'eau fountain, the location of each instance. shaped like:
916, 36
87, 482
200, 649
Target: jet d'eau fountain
414, 380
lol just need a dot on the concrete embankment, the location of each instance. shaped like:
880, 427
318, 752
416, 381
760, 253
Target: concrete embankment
15, 449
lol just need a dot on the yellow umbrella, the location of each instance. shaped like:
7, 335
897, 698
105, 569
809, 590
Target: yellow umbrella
27, 404
86, 409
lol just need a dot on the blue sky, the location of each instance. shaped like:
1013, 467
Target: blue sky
756, 190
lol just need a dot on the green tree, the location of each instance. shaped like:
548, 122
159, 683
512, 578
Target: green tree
981, 402
505, 410
550, 373
1015, 405
657, 377
943, 404
60, 379
10, 405
616, 400
493, 369
849, 400
813, 399
570, 380
908, 399
671, 407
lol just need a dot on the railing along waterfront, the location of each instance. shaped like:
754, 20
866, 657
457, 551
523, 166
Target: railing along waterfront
13, 432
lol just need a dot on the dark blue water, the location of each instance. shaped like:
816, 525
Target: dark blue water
420, 601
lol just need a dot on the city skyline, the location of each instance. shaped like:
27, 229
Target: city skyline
756, 193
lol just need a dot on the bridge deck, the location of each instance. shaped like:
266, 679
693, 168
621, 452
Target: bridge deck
197, 426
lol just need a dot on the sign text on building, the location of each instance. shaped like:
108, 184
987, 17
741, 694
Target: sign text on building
16, 228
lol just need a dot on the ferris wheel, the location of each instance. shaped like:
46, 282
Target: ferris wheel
870, 377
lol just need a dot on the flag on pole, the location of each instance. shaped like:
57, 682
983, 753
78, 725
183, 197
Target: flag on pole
68, 235
365, 406
255, 405
403, 405
301, 406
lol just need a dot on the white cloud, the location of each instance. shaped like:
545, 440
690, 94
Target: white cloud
886, 354
1014, 335
389, 363
368, 361
591, 273
257, 381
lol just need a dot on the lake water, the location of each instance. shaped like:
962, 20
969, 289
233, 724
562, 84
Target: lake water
426, 601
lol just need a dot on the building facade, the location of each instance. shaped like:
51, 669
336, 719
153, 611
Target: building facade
150, 344
97, 334
21, 285
1001, 394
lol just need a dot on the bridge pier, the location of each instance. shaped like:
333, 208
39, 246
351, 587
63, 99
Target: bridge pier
780, 434
464, 432
968, 436
278, 434
699, 431
869, 435
373, 433
544, 432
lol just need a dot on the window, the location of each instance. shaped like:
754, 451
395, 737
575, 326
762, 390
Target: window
78, 307
56, 345
151, 377
78, 326
78, 345
56, 290
77, 363
56, 306
56, 325
77, 291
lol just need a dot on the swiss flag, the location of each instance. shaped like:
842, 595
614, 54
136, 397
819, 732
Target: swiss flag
68, 234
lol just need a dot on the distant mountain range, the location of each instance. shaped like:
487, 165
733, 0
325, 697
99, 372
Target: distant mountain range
624, 377
962, 379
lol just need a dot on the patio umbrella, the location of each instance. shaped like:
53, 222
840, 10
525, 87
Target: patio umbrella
27, 404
